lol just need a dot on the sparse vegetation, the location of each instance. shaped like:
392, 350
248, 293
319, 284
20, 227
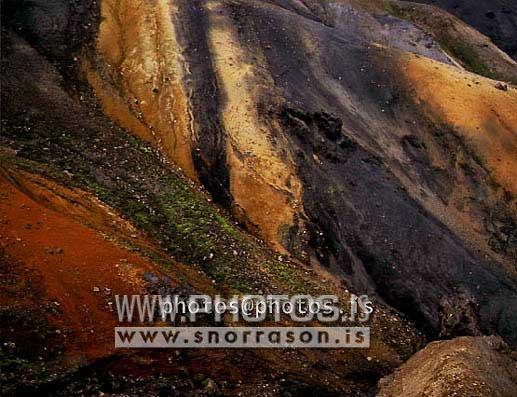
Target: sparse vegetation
466, 55
318, 126
448, 38
167, 207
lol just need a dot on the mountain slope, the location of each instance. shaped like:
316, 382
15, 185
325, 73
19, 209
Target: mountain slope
253, 63
89, 212
353, 144
494, 18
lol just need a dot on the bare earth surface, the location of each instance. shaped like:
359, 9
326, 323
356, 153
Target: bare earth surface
240, 146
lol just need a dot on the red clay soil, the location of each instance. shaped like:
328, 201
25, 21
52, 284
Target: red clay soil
71, 260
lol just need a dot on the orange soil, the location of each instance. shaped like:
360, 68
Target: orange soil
70, 258
137, 49
484, 116
57, 217
143, 82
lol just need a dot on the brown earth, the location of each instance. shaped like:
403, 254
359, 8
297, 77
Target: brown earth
460, 367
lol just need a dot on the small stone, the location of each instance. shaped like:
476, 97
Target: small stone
95, 289
501, 86
211, 387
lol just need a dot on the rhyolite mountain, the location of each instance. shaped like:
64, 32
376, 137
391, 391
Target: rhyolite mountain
495, 18
256, 146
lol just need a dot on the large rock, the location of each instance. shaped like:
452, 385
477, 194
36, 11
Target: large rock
462, 367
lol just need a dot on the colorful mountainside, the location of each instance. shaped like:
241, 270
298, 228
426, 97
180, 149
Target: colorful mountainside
239, 146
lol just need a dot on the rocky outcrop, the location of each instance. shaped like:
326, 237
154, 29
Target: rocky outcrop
459, 367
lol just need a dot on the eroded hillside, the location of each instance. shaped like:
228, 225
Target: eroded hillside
361, 142
276, 104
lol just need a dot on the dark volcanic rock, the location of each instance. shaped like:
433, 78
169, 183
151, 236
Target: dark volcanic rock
371, 226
